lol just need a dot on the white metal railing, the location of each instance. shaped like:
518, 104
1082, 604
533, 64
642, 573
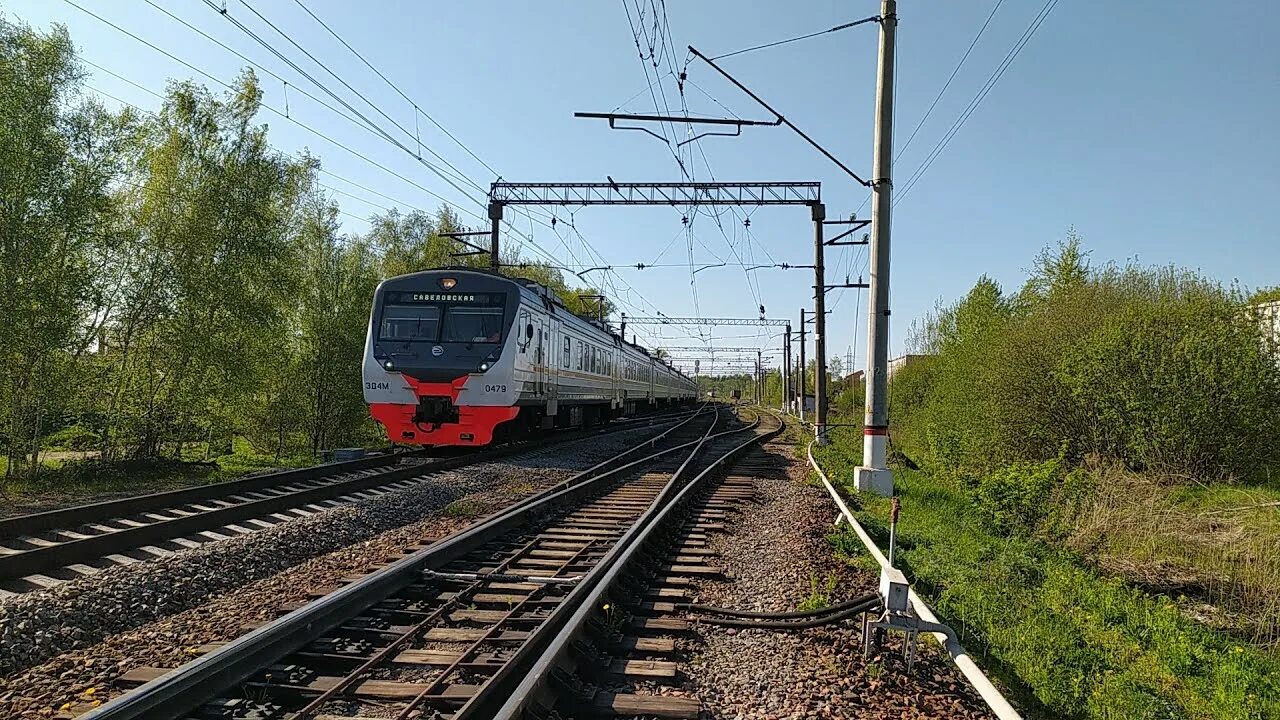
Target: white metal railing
978, 679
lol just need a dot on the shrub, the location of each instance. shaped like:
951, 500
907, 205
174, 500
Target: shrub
1152, 366
73, 437
1184, 386
1015, 498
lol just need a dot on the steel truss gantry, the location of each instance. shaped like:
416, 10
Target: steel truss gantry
700, 348
664, 320
677, 194
670, 193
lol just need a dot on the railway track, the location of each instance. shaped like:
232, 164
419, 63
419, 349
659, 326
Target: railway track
453, 629
43, 550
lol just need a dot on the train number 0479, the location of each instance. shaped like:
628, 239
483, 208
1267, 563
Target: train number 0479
495, 388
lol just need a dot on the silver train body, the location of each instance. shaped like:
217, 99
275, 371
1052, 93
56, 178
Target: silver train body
457, 357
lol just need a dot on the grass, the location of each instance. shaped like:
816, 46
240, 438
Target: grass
65, 481
463, 508
1210, 546
1069, 641
820, 592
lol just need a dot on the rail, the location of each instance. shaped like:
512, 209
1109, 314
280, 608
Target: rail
978, 679
609, 572
184, 689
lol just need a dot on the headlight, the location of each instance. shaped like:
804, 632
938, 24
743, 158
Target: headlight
484, 366
388, 364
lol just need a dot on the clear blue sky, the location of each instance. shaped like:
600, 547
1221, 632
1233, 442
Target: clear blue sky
1146, 125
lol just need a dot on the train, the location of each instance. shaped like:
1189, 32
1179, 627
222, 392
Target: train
464, 357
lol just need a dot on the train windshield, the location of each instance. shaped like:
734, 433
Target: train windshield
409, 323
443, 317
472, 323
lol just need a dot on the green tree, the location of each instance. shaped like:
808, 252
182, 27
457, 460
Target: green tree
58, 155
206, 313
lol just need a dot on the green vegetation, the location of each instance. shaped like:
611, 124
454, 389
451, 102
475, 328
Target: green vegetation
1158, 368
171, 281
1095, 504
1071, 641
463, 508
820, 592
1264, 295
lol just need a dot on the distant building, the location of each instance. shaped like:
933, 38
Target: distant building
1269, 318
810, 402
900, 362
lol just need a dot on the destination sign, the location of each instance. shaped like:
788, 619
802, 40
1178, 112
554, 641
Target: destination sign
440, 297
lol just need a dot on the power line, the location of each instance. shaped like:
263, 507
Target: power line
947, 84
158, 95
393, 86
452, 180
977, 100
315, 132
837, 28
170, 193
271, 108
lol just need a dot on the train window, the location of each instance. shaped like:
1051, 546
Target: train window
410, 323
565, 357
473, 324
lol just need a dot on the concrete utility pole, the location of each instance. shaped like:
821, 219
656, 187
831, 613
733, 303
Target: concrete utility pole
759, 379
819, 328
495, 217
786, 369
803, 368
874, 474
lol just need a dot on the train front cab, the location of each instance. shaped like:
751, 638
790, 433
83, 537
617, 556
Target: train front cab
435, 339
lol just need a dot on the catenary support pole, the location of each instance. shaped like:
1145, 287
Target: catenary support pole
819, 327
786, 369
495, 217
759, 379
804, 369
874, 474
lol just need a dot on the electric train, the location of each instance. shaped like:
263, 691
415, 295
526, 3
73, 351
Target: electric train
459, 357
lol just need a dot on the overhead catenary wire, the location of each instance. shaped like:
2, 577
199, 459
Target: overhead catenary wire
629, 290
837, 28
417, 109
942, 91
981, 95
285, 115
452, 179
272, 109
172, 193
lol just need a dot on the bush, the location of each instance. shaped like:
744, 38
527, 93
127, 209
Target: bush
74, 437
1185, 386
1152, 366
1016, 498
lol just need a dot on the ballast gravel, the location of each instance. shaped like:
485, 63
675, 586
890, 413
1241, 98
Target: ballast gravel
775, 557
55, 634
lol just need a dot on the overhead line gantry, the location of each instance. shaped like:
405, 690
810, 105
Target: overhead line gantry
677, 194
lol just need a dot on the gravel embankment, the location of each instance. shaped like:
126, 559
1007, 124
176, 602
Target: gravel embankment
774, 554
59, 627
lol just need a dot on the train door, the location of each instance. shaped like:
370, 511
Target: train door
540, 355
556, 356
